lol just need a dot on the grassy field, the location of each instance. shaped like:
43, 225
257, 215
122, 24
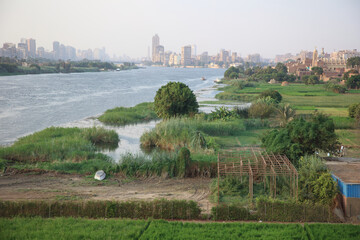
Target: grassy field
71, 228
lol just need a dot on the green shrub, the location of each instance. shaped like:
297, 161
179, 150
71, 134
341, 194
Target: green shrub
183, 162
231, 213
271, 93
353, 109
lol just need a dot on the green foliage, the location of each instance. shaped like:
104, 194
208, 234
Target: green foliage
183, 162
262, 108
325, 188
301, 137
232, 70
272, 94
60, 144
310, 169
336, 88
231, 212
310, 79
281, 68
175, 99
353, 108
292, 211
199, 231
233, 75
221, 113
317, 71
346, 74
71, 228
157, 209
353, 82
284, 114
332, 231
142, 112
353, 61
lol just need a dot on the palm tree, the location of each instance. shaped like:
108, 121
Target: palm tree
285, 114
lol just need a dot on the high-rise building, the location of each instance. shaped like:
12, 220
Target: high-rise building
40, 52
193, 51
155, 43
159, 54
31, 47
186, 55
56, 50
315, 58
224, 55
233, 57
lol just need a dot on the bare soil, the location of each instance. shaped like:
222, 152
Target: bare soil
53, 186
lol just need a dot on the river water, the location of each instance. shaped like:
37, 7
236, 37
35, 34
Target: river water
30, 103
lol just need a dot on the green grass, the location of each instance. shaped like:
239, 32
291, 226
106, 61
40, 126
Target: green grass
333, 231
80, 228
179, 230
142, 112
349, 137
70, 228
246, 138
62, 149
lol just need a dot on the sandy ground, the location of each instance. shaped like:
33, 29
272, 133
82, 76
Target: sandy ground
51, 186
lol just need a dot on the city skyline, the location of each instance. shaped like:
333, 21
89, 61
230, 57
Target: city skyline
125, 28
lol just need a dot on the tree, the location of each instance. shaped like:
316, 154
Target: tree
231, 70
233, 75
281, 68
353, 61
325, 188
175, 99
301, 137
285, 114
310, 79
271, 93
346, 74
353, 82
317, 71
249, 72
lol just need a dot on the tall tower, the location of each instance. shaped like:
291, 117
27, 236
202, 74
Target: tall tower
315, 58
155, 43
31, 47
186, 55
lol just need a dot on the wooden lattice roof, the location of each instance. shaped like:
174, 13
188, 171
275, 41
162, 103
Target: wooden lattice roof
254, 162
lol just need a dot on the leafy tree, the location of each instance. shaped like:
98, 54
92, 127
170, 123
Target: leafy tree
346, 74
353, 61
317, 71
281, 68
310, 79
233, 75
175, 99
249, 72
271, 93
301, 137
262, 108
353, 82
231, 70
336, 88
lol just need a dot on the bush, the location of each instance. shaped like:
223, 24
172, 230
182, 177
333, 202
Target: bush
353, 82
262, 108
353, 109
231, 212
157, 209
310, 79
175, 99
336, 88
233, 75
183, 162
272, 94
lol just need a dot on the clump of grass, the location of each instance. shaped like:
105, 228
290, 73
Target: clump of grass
59, 144
343, 122
142, 112
182, 132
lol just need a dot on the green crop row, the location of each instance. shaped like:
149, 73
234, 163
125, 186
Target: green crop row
79, 228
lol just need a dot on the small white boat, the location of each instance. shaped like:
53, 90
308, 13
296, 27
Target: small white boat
203, 78
118, 69
100, 175
217, 80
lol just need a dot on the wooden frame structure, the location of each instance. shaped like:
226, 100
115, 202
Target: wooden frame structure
258, 165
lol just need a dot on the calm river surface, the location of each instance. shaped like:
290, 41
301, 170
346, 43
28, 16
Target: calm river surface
30, 103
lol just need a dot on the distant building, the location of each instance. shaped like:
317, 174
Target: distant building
31, 47
155, 43
233, 57
40, 52
255, 58
193, 51
315, 58
186, 55
159, 54
224, 56
56, 50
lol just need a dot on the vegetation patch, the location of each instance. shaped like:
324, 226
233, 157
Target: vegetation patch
142, 112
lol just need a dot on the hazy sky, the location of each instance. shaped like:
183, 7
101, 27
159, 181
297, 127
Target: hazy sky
267, 27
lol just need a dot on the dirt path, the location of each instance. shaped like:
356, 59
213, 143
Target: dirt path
50, 186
